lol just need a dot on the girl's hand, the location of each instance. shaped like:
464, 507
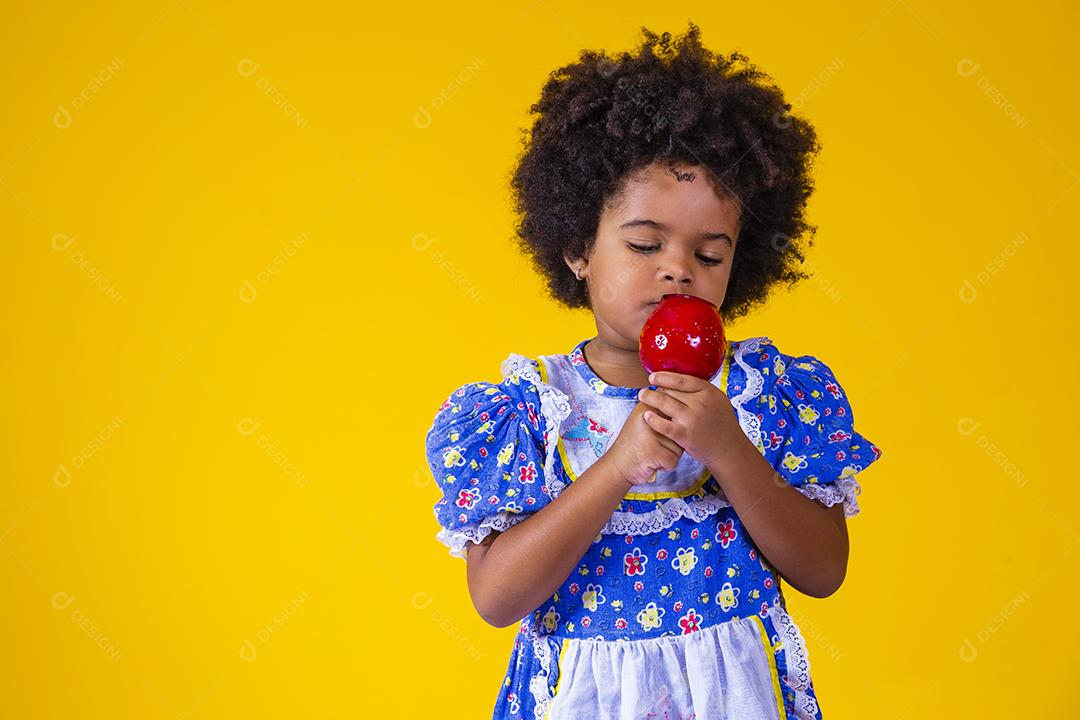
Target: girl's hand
638, 451
700, 417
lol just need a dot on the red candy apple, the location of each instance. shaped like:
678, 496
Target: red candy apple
685, 335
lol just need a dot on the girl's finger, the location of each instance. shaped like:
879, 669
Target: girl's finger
677, 381
664, 429
670, 445
680, 395
662, 401
664, 439
660, 424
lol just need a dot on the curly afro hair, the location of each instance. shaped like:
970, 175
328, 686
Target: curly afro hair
601, 119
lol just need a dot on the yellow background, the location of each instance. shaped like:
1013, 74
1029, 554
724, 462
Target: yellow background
249, 251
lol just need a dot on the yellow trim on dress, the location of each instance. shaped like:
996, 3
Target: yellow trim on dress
692, 490
558, 665
725, 368
543, 370
771, 657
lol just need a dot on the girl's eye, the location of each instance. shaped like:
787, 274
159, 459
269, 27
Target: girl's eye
645, 249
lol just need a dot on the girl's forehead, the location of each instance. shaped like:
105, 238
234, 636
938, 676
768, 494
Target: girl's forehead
686, 198
672, 177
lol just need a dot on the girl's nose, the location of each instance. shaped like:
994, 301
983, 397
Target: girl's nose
680, 277
675, 267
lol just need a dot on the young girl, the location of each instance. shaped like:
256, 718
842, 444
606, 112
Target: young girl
639, 526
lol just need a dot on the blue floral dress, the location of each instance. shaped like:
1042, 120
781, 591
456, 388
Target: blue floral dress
672, 612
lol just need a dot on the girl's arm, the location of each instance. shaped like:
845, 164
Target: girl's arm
512, 572
804, 540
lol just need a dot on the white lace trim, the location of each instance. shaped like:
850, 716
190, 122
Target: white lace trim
843, 490
664, 515
555, 407
797, 661
475, 532
754, 383
538, 683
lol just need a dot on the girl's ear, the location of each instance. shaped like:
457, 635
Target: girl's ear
577, 266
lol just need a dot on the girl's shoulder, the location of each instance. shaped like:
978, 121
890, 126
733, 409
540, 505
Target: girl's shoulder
487, 449
802, 420
766, 373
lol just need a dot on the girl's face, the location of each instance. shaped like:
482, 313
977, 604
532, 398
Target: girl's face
671, 231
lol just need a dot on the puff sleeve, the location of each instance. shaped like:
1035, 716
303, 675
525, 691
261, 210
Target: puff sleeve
808, 428
486, 451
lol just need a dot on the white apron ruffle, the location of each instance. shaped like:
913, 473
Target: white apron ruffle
725, 671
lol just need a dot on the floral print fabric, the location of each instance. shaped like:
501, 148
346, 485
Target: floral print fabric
674, 559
